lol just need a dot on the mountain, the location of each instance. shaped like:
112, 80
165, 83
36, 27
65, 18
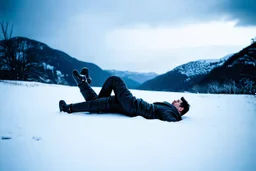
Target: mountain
236, 75
232, 74
25, 59
136, 76
35, 61
183, 77
128, 81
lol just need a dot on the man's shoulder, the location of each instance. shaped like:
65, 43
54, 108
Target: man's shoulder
167, 108
164, 103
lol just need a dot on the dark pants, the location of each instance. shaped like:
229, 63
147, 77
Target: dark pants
123, 101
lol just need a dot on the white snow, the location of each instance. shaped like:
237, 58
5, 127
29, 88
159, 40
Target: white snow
205, 65
246, 60
191, 69
226, 57
249, 63
218, 133
60, 77
41, 47
47, 66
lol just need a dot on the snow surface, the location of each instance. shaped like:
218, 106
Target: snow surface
218, 133
47, 66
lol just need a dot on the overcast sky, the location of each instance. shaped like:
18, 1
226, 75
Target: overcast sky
136, 35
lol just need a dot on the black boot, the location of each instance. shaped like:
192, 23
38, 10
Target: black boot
79, 79
85, 71
64, 107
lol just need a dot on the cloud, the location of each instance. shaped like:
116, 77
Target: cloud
146, 37
155, 12
162, 61
47, 16
243, 11
162, 48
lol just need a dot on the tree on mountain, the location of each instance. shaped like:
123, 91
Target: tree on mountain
16, 58
253, 40
6, 59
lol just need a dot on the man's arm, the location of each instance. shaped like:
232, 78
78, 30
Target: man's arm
168, 115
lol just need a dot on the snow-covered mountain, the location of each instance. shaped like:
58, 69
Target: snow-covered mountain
35, 136
35, 61
238, 73
201, 67
183, 76
233, 73
136, 76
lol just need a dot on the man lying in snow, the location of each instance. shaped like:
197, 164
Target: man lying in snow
123, 102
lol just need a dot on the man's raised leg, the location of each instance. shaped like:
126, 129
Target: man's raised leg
87, 92
85, 89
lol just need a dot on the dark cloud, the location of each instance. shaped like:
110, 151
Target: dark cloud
242, 10
4, 6
47, 12
46, 17
7, 9
175, 12
37, 17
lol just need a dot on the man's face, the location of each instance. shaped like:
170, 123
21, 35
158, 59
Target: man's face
177, 103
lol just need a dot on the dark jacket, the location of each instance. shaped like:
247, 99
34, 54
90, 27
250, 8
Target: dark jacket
167, 112
158, 110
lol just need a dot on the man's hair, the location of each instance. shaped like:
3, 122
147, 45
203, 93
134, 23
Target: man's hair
185, 105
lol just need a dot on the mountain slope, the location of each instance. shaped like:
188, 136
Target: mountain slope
239, 72
52, 66
183, 77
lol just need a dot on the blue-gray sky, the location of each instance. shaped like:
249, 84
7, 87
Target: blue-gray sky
136, 35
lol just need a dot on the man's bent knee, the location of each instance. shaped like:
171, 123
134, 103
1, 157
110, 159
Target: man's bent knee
113, 77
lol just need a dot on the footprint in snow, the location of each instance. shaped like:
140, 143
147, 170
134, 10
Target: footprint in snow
6, 137
36, 138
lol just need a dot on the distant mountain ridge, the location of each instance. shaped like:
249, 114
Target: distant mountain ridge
136, 76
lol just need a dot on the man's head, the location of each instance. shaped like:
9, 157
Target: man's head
181, 105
